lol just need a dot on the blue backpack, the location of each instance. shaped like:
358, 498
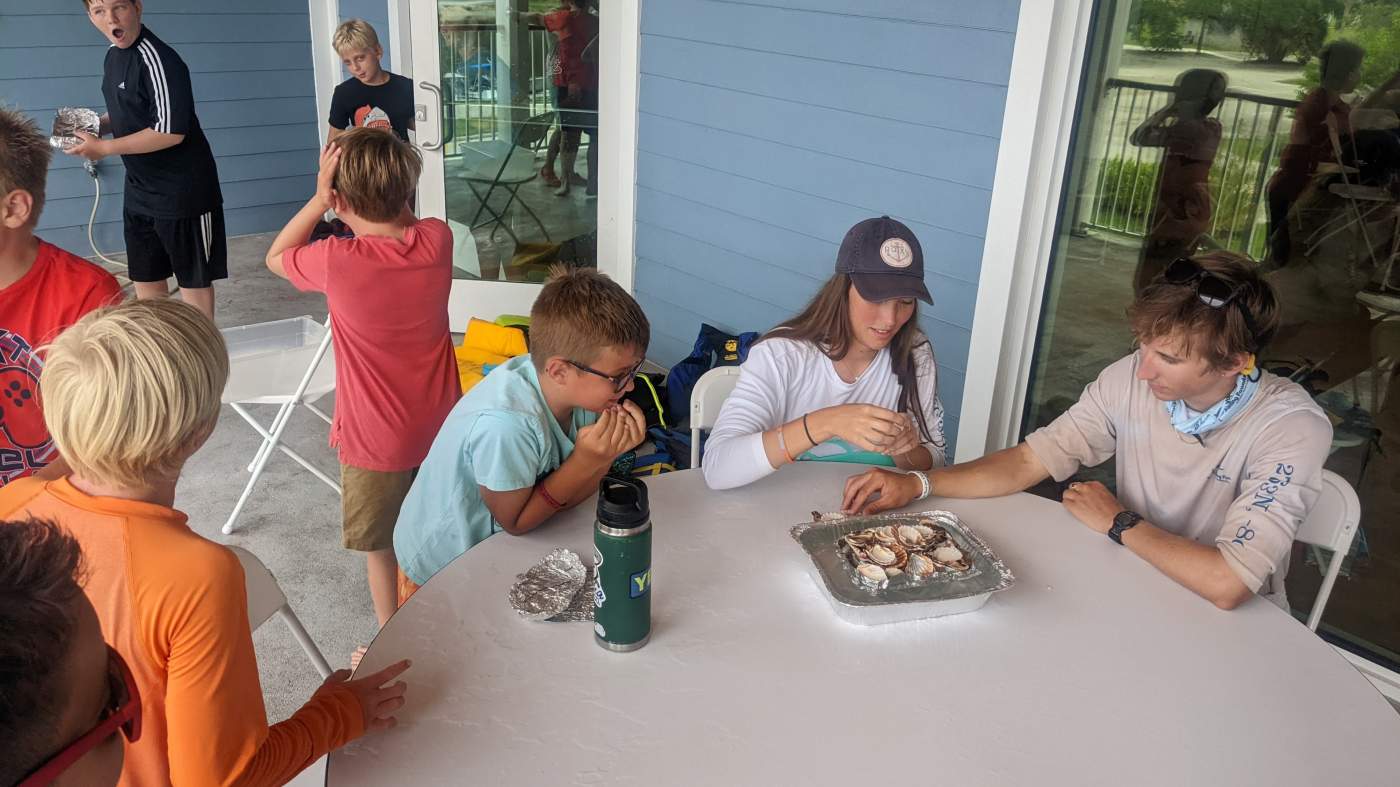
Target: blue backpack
713, 347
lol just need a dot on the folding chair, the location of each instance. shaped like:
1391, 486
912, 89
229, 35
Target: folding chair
507, 165
709, 393
1331, 525
265, 599
283, 362
1353, 196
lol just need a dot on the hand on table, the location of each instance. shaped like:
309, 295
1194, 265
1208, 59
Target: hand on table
878, 489
865, 426
378, 702
89, 147
1092, 504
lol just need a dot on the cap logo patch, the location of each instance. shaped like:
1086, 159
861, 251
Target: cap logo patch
896, 253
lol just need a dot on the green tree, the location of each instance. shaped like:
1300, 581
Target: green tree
1375, 26
1210, 13
1161, 25
1277, 29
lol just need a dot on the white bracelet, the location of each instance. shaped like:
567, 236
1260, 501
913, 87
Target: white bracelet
925, 488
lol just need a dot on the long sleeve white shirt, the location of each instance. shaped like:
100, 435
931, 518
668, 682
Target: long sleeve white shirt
783, 380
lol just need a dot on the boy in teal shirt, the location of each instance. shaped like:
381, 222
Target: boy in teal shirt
537, 435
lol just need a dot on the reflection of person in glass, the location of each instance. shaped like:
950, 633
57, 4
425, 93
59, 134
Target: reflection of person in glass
1189, 137
1309, 140
575, 68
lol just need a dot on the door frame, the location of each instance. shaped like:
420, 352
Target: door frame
619, 40
1046, 61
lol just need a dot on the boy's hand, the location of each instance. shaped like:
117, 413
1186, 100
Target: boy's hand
89, 147
636, 422
595, 440
878, 489
378, 702
325, 177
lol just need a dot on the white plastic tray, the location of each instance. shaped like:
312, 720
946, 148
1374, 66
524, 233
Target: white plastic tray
267, 361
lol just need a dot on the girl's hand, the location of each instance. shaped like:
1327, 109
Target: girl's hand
906, 440
865, 426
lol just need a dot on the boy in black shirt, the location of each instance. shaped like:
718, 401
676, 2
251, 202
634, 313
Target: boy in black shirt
371, 97
174, 218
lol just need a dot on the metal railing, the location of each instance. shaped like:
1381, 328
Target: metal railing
1123, 178
471, 71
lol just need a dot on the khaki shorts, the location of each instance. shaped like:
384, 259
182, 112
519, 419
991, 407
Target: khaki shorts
370, 502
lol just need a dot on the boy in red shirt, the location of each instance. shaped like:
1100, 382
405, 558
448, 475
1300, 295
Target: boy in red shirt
43, 289
387, 287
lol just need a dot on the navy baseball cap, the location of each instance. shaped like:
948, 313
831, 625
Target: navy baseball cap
884, 261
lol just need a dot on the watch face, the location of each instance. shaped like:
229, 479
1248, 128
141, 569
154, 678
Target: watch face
1126, 519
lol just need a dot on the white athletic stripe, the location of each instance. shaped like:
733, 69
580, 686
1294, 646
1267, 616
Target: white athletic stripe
158, 82
206, 228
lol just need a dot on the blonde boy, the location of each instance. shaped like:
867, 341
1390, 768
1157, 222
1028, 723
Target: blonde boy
537, 435
131, 392
396, 376
371, 97
43, 289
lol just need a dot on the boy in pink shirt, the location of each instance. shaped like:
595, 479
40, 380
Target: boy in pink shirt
396, 376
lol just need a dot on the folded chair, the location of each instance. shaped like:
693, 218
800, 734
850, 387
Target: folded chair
506, 165
289, 363
1331, 525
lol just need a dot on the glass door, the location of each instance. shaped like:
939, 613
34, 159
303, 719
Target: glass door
1271, 130
508, 124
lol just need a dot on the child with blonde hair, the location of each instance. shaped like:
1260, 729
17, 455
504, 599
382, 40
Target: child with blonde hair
130, 393
371, 97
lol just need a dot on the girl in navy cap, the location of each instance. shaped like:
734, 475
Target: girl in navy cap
850, 379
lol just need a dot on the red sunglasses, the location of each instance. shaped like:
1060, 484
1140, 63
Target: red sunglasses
123, 712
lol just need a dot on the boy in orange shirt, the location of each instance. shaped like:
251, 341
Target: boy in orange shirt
130, 393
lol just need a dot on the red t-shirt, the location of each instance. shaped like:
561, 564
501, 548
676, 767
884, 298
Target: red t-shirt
576, 30
58, 290
395, 374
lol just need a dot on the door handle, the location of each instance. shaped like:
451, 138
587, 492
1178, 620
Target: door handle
437, 94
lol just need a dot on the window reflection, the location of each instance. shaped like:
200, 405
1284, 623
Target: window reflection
1277, 138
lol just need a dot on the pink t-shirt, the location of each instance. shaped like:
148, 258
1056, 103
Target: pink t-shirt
395, 374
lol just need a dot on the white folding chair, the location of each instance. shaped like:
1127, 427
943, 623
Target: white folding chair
1331, 525
709, 393
265, 599
1354, 196
283, 362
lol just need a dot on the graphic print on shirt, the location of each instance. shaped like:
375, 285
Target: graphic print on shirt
372, 117
29, 445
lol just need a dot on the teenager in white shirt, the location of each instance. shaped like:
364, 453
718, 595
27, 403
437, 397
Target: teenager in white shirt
851, 378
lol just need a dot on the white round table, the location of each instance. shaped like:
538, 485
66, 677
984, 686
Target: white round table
1092, 669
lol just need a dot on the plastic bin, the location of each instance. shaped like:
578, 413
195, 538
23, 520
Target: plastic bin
268, 360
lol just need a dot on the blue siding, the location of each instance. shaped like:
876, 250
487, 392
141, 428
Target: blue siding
768, 127
251, 66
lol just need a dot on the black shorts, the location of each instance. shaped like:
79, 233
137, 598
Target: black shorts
193, 250
577, 110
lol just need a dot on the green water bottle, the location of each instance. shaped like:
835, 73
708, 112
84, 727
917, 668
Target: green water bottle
622, 565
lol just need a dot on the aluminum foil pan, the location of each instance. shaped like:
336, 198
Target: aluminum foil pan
945, 594
70, 120
554, 589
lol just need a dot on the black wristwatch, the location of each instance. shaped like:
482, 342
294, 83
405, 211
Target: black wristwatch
1124, 521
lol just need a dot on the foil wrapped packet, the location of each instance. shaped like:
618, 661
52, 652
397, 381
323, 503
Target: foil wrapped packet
558, 588
68, 122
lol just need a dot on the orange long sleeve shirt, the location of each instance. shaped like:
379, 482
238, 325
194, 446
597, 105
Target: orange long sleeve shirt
174, 604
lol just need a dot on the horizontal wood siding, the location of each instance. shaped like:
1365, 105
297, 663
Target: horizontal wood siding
250, 64
768, 127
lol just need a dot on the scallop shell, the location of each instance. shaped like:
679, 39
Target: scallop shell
871, 575
882, 555
910, 537
885, 534
922, 566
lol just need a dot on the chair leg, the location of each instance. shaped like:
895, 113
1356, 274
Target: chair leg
307, 643
1323, 593
284, 412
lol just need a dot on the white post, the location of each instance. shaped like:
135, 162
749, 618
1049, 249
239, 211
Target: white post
325, 63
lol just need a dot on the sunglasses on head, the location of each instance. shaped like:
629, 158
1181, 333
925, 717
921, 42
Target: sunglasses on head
123, 712
619, 381
1212, 290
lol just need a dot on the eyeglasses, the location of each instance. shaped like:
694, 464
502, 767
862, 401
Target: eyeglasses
123, 712
618, 381
1212, 290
